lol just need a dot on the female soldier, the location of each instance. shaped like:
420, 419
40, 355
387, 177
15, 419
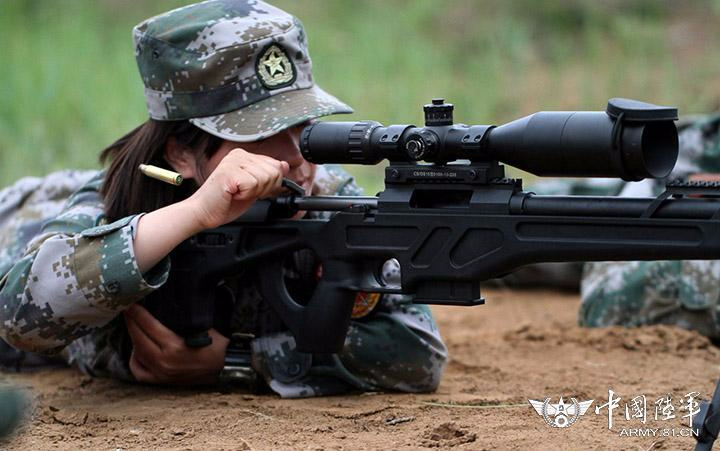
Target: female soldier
216, 74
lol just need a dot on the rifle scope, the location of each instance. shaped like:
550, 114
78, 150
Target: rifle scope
631, 140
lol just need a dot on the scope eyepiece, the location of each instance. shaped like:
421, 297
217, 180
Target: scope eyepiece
631, 140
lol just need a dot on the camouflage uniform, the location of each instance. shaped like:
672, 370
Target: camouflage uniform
240, 70
684, 293
65, 284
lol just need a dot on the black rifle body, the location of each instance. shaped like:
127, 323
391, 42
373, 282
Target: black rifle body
447, 239
450, 226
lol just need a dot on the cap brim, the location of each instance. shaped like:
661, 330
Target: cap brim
272, 115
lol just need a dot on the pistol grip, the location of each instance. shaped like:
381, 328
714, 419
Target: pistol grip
320, 326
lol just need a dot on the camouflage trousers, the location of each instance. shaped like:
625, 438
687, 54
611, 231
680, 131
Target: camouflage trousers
681, 293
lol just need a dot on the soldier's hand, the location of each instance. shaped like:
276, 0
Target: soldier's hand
160, 356
239, 180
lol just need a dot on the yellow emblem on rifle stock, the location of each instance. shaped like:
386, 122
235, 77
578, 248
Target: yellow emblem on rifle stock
364, 304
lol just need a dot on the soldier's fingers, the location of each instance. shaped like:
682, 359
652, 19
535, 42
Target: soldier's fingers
284, 168
264, 174
219, 339
278, 170
246, 159
251, 161
152, 328
143, 345
277, 166
253, 175
141, 373
274, 165
273, 181
244, 185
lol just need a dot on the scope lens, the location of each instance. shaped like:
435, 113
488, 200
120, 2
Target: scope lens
659, 148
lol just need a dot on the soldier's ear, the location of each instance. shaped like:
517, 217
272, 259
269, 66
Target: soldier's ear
180, 159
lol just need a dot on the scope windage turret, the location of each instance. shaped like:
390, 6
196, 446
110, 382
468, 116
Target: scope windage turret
631, 140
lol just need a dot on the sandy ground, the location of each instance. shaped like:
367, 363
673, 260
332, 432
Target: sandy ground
522, 344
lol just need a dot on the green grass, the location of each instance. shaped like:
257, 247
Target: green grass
69, 85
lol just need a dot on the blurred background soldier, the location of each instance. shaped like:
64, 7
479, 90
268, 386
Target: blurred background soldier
683, 293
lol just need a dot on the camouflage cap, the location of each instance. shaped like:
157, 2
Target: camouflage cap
238, 69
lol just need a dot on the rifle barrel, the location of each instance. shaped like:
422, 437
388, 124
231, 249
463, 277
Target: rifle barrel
616, 207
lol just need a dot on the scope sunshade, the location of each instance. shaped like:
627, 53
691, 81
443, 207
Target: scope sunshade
634, 110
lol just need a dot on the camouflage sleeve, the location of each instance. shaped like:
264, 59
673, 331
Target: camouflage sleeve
74, 277
398, 348
682, 293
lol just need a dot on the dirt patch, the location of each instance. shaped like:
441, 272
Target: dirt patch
652, 340
520, 346
448, 435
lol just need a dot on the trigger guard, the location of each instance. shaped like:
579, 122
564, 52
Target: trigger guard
272, 285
